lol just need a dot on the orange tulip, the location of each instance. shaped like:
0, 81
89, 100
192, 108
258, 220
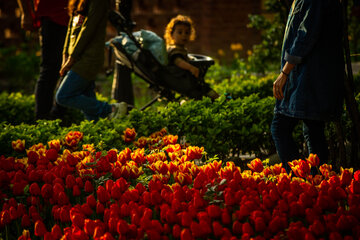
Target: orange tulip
256, 165
129, 135
18, 145
313, 159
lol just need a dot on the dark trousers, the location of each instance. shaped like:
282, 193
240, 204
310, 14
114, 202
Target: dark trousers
122, 88
52, 38
282, 129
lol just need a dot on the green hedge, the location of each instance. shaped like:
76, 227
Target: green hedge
238, 86
218, 126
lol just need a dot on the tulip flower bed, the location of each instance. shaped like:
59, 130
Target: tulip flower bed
161, 189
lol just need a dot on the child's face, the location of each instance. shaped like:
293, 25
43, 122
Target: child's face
181, 34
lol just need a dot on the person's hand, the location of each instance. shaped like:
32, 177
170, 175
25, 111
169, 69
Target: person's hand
27, 22
278, 86
67, 65
195, 71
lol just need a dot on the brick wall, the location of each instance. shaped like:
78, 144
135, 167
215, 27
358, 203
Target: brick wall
218, 23
9, 23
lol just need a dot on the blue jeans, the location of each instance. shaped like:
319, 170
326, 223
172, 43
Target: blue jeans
77, 92
282, 129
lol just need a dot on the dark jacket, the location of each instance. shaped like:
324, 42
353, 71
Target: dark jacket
313, 41
85, 39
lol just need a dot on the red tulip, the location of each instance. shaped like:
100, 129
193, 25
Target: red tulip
76, 191
218, 229
317, 228
25, 221
39, 229
102, 195
226, 217
88, 187
256, 165
70, 181
176, 231
13, 213
300, 168
25, 235
18, 188
52, 154
46, 191
196, 230
62, 199
185, 234
89, 227
5, 217
64, 215
100, 208
112, 224
73, 138
346, 177
107, 236
54, 144
98, 232
129, 135
122, 227
78, 233
185, 219
194, 152
260, 224
214, 211
335, 236
355, 186
313, 159
56, 232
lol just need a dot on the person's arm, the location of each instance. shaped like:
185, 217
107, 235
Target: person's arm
97, 10
26, 17
181, 63
66, 61
307, 35
308, 32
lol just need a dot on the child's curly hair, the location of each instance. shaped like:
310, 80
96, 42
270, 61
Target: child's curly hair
179, 19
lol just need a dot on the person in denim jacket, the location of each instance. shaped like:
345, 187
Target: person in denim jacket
310, 84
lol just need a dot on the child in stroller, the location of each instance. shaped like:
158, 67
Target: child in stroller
179, 31
143, 53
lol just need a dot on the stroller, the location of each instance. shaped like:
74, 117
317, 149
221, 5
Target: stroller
164, 80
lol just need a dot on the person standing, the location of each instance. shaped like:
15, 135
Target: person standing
51, 18
310, 84
83, 58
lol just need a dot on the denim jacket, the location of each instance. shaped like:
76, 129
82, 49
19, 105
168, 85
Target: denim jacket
313, 42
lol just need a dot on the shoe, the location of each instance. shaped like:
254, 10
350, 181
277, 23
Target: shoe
120, 110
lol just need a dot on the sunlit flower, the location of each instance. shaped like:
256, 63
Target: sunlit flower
300, 168
194, 152
129, 135
18, 145
170, 139
313, 159
138, 156
256, 165
182, 178
157, 156
55, 144
73, 138
141, 142
326, 170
